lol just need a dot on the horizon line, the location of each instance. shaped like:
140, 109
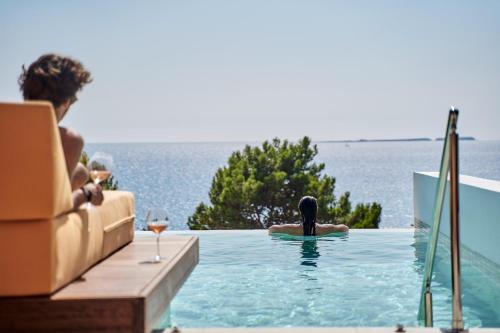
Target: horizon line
437, 139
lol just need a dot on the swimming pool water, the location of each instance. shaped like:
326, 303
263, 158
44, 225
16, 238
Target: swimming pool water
364, 278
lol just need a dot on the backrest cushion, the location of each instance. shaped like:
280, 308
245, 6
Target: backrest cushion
34, 182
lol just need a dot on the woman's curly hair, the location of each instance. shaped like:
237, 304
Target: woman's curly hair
54, 78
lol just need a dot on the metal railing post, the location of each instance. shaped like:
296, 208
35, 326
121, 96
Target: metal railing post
429, 322
449, 163
425, 307
457, 323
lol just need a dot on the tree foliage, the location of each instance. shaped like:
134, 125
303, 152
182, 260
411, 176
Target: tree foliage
262, 186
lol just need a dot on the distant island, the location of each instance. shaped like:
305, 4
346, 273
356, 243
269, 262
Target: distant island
465, 138
379, 140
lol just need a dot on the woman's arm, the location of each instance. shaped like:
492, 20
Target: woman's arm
291, 229
323, 229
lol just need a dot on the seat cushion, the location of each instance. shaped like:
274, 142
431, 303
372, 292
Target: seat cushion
117, 220
38, 257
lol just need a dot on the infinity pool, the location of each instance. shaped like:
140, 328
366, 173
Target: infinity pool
364, 278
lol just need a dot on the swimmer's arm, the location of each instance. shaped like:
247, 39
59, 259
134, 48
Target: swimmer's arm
323, 229
293, 229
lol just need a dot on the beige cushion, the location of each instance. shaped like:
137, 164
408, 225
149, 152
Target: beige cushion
35, 183
40, 256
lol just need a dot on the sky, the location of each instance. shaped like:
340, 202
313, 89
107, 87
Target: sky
177, 71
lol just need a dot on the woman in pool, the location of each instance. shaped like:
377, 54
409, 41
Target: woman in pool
308, 207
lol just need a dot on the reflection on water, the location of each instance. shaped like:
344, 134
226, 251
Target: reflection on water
480, 281
309, 256
421, 237
309, 253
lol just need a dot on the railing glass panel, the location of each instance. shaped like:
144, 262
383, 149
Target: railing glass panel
425, 314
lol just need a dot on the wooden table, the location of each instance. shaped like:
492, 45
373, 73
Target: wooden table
123, 293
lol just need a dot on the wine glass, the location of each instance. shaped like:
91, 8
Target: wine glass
157, 221
99, 166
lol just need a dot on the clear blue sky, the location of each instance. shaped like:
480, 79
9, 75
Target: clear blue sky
252, 70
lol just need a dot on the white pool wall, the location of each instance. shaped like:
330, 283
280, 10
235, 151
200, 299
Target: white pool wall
479, 211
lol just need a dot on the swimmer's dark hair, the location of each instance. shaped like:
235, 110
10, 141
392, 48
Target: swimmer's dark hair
308, 207
53, 78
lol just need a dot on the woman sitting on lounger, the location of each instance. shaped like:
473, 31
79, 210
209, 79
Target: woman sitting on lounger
308, 207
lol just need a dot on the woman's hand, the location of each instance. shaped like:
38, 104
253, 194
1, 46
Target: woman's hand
96, 196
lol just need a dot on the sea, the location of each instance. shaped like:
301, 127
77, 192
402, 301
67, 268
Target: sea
178, 176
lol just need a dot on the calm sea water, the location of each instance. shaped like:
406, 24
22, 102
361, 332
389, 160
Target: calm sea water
177, 176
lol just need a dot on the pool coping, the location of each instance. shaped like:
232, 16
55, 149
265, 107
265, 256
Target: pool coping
257, 231
482, 183
322, 330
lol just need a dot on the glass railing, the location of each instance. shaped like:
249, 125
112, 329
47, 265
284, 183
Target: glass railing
425, 308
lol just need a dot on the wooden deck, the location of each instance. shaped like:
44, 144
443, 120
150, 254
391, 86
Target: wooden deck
123, 293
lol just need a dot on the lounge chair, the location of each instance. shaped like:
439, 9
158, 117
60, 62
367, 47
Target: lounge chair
43, 245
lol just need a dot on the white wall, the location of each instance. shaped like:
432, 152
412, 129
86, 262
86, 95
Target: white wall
479, 211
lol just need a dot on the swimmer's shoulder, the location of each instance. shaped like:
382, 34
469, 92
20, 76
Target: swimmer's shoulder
322, 229
292, 229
